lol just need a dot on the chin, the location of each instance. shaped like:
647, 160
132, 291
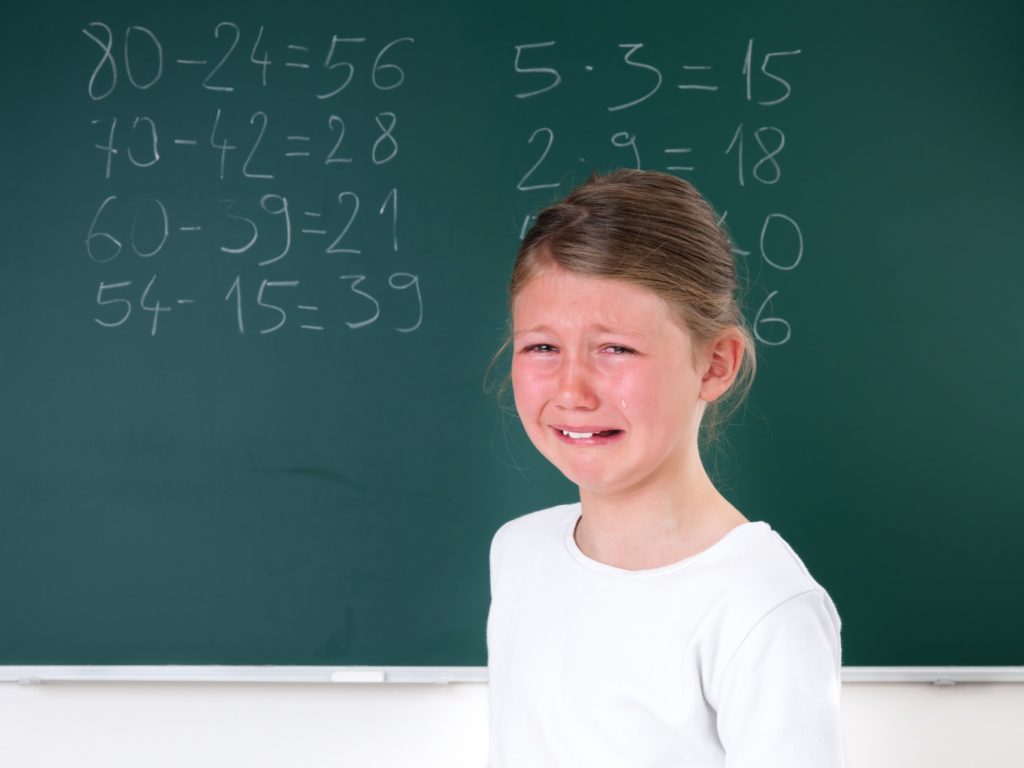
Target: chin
590, 478
590, 482
568, 471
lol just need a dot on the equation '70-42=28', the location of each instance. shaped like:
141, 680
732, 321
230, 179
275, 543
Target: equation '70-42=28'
278, 304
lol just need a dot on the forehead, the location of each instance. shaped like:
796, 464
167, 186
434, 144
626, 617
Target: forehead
557, 298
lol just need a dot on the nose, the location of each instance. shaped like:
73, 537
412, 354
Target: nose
576, 386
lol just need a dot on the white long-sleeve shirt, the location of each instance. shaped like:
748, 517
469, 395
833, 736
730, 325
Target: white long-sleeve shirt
727, 658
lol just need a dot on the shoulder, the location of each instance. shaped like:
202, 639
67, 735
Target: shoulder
765, 571
777, 697
770, 597
776, 682
752, 573
532, 532
541, 524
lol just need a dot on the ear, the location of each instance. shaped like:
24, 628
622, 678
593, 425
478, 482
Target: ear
722, 359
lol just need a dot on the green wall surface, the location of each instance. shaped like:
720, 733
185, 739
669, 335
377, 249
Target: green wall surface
253, 261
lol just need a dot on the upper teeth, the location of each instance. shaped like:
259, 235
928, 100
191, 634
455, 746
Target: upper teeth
577, 435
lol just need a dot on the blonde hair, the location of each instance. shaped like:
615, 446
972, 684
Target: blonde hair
656, 231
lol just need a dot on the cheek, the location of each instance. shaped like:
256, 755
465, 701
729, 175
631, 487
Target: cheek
660, 396
526, 389
630, 387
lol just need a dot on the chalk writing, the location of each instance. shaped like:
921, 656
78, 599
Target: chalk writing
284, 237
635, 75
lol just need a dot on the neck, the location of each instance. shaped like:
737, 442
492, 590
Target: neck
658, 524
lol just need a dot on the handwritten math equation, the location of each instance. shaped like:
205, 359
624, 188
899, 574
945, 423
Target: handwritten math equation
279, 226
750, 154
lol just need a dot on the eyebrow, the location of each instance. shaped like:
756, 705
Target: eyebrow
598, 328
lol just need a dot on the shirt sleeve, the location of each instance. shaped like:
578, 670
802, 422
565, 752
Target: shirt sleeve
779, 698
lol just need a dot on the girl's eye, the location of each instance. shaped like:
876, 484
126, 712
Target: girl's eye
617, 349
539, 348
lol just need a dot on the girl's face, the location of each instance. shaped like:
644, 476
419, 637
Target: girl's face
606, 381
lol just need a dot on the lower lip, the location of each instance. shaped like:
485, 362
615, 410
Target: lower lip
594, 440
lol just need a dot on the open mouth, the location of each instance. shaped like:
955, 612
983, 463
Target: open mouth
588, 437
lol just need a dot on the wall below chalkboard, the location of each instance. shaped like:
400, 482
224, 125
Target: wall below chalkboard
120, 726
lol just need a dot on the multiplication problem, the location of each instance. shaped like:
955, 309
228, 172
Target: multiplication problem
751, 153
766, 86
648, 78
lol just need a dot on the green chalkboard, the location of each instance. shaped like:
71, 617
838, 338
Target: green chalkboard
253, 267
